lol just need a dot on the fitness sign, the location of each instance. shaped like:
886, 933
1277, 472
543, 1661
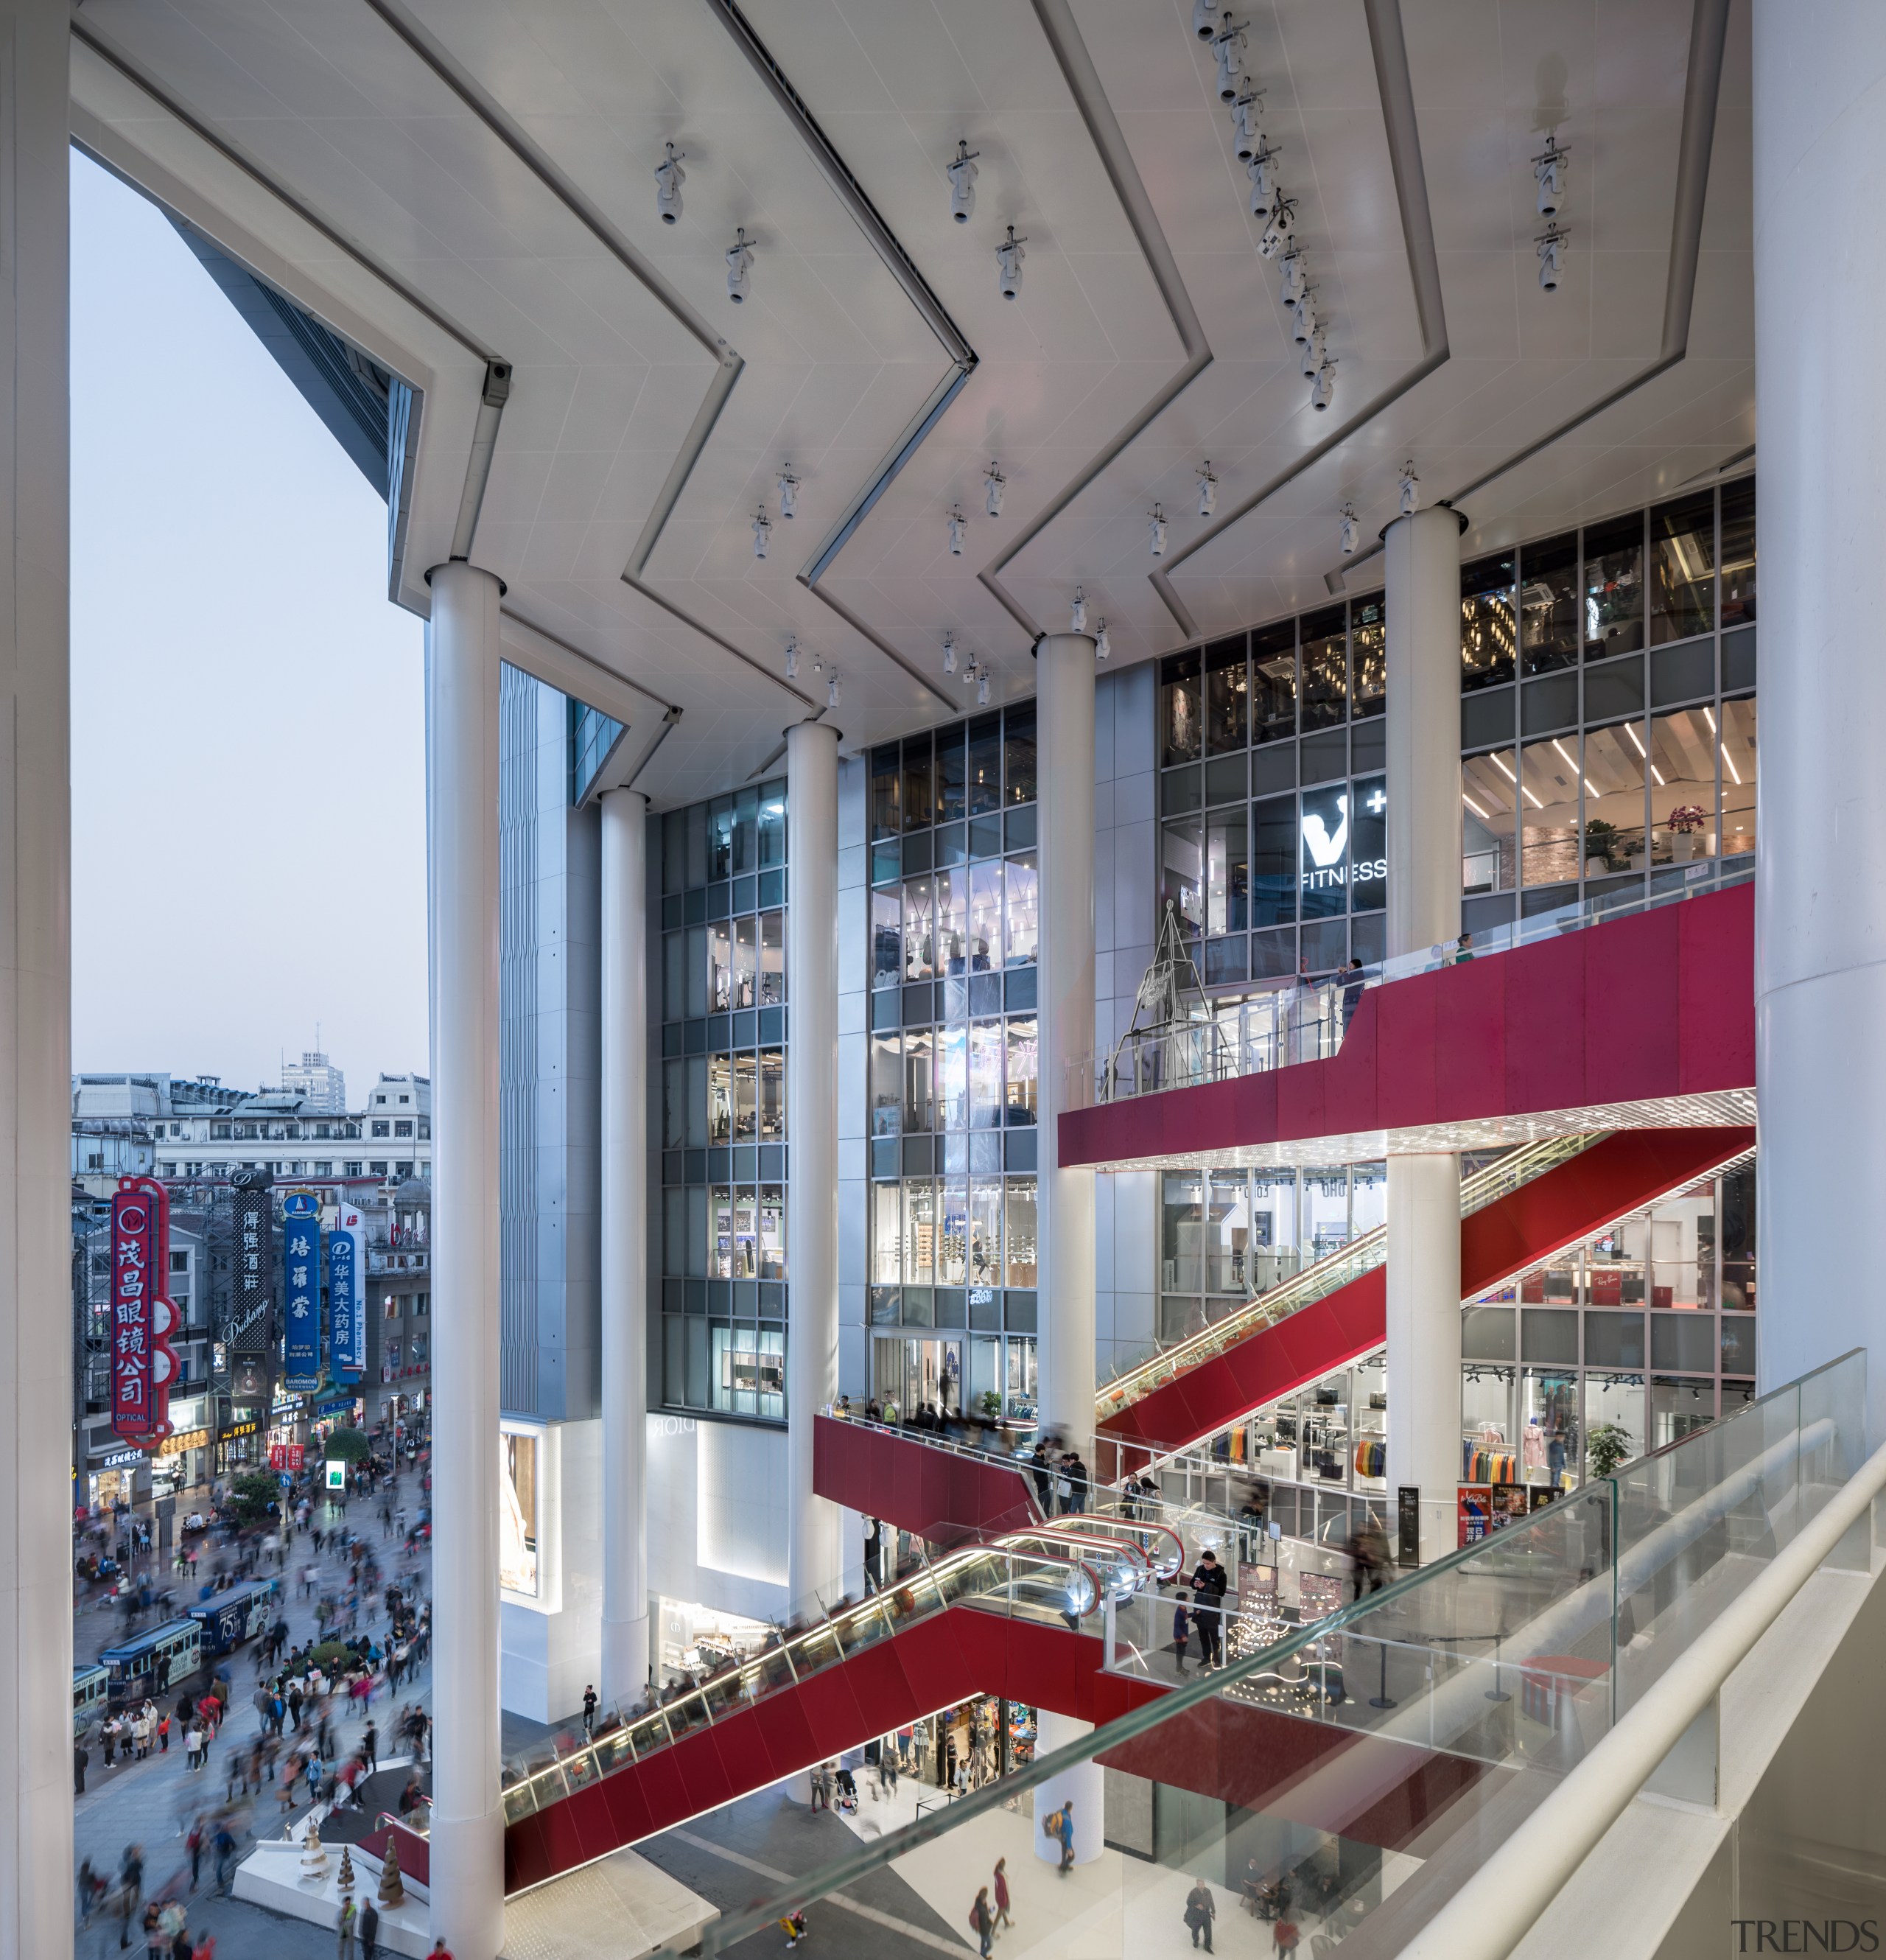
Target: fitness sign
142, 1366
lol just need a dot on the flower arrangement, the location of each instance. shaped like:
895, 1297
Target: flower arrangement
1686, 818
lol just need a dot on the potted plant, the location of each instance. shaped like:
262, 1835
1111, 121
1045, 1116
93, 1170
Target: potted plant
1607, 1445
1600, 840
1685, 822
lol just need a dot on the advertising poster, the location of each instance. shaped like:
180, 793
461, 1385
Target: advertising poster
301, 1289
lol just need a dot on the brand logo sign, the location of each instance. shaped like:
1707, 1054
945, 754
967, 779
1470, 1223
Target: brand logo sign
1806, 1935
251, 1332
346, 1307
142, 1366
301, 1287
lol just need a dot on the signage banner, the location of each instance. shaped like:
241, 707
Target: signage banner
251, 1321
287, 1455
142, 1365
301, 1289
346, 1295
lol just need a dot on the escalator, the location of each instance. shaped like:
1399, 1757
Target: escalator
1515, 1213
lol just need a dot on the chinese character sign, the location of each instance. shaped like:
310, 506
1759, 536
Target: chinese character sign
301, 1289
142, 1366
346, 1306
252, 1332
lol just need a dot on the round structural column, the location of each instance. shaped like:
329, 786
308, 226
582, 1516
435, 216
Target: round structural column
468, 1824
624, 1043
1424, 910
1820, 833
36, 988
1064, 734
815, 1560
1084, 1786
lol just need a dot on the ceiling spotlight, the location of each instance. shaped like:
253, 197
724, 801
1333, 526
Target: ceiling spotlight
788, 493
1352, 531
1277, 234
970, 673
1315, 352
669, 176
1207, 490
1303, 318
1156, 530
1228, 45
1323, 389
1296, 277
1552, 255
832, 689
739, 264
949, 653
1244, 124
1102, 644
1204, 19
963, 183
982, 689
1549, 168
1263, 176
994, 484
1009, 255
792, 656
762, 533
1077, 613
1411, 499
959, 524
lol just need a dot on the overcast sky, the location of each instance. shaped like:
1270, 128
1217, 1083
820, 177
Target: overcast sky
248, 789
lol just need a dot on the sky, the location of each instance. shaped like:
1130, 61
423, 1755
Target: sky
248, 711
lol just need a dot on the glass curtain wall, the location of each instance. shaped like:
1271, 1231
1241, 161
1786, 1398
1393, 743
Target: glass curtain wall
722, 990
953, 1066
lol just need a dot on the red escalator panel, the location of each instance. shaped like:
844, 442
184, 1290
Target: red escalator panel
937, 1494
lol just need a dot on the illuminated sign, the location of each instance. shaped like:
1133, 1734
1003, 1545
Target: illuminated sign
346, 1302
301, 1289
184, 1438
1344, 849
251, 1334
142, 1366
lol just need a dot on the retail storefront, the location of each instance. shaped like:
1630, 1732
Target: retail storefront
696, 1639
117, 1476
961, 1748
953, 1373
243, 1444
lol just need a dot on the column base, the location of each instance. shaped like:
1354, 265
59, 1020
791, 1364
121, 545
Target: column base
1084, 1786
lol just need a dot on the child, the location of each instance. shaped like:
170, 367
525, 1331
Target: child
1181, 1629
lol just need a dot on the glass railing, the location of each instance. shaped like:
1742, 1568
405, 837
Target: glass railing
1299, 1022
1442, 1708
1063, 1573
1362, 1253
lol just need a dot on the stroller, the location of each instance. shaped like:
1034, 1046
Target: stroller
847, 1792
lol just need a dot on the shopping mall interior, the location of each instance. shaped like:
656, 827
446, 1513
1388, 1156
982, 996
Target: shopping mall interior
1109, 941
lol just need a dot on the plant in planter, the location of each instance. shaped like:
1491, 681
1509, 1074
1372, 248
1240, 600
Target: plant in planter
1602, 852
1607, 1445
1683, 822
989, 1403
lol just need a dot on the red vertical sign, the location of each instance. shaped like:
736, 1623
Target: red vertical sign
142, 1366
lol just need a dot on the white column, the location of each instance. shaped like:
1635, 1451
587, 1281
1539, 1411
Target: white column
1424, 910
468, 1828
1063, 733
624, 1043
36, 1353
1084, 1786
1821, 843
815, 1560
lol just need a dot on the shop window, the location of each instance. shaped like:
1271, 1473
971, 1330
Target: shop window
1490, 1453
1368, 655
1683, 787
745, 829
1682, 568
1274, 874
1018, 1233
1551, 1428
1738, 553
919, 786
772, 824
1022, 1065
1227, 696
887, 1084
983, 1259
1614, 1405
720, 1099
1489, 797
887, 818
886, 1204
770, 1229
1181, 873
719, 967
1548, 605
1325, 669
887, 947
1369, 844
772, 959
985, 764
918, 926
1018, 754
1182, 1232
918, 1061
1678, 1407
1273, 683
1549, 826
984, 949
1738, 1345
949, 898
1227, 873
1021, 911
1614, 587
1181, 708
1489, 628
951, 781
1613, 773
952, 1077
772, 1094
1738, 748
985, 1076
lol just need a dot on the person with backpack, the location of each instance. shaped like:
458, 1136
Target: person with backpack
1065, 1832
982, 1923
